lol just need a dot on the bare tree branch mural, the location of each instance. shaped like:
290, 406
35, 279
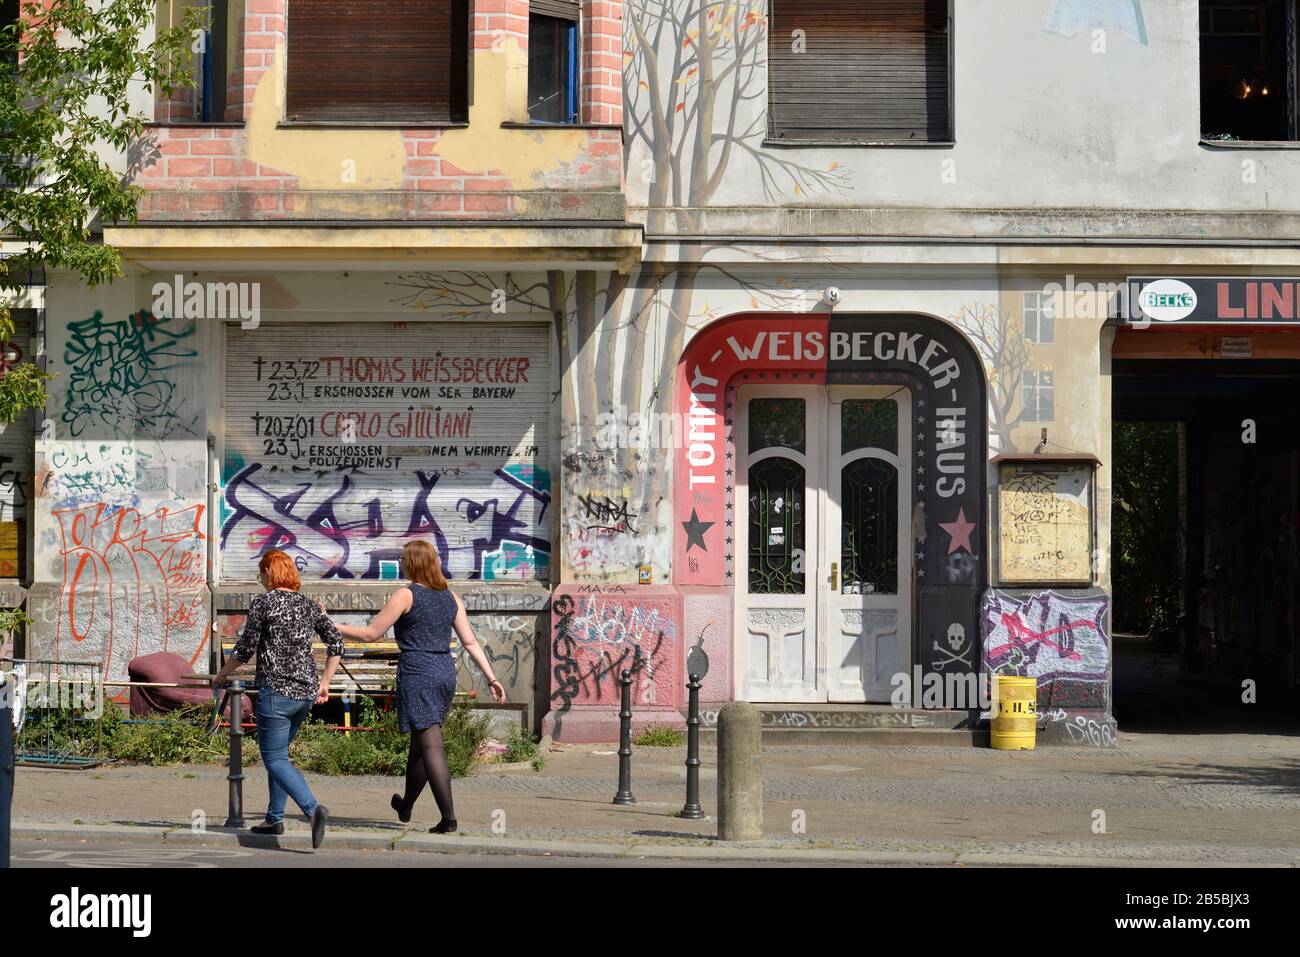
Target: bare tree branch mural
1001, 343
468, 290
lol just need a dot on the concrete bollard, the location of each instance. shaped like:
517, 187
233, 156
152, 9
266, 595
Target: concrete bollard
740, 773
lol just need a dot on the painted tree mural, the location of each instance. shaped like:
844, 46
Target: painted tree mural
690, 121
1000, 340
694, 91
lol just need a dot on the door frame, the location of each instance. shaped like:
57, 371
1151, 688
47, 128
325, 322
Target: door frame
820, 402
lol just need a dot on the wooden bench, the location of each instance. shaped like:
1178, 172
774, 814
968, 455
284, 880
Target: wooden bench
369, 667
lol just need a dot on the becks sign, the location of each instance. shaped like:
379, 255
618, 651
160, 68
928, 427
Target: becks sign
1201, 300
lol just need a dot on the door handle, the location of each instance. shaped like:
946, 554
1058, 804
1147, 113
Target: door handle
835, 576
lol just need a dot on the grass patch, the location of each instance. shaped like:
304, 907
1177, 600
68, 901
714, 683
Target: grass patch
383, 750
660, 736
179, 737
522, 746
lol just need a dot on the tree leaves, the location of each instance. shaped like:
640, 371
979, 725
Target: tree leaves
69, 93
71, 74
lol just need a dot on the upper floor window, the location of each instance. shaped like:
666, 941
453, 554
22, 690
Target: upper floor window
1039, 317
871, 71
1249, 70
1038, 397
377, 60
553, 61
213, 64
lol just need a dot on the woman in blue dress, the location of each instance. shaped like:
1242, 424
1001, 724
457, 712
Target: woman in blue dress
423, 616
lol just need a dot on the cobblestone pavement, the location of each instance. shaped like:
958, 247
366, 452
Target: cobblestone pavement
1170, 797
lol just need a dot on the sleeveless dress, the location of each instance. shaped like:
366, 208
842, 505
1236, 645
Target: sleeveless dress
426, 670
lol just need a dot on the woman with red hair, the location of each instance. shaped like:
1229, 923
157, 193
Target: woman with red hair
423, 616
280, 628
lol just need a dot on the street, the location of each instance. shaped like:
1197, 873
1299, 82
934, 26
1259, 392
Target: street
1228, 799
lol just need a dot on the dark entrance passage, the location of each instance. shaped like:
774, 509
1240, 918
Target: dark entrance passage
1205, 531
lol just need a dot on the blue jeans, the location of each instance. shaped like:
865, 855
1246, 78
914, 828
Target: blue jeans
278, 721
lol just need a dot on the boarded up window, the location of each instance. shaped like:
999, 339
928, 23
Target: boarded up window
381, 60
345, 441
867, 70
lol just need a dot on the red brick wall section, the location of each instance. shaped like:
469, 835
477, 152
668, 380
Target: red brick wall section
494, 20
262, 27
599, 164
177, 108
602, 61
435, 186
200, 172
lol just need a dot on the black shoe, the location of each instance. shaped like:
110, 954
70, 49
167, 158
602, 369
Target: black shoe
403, 812
444, 827
276, 828
318, 819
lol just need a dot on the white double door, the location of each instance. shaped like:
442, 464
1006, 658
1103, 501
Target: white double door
823, 559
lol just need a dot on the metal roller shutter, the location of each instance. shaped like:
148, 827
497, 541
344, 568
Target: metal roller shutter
345, 441
874, 70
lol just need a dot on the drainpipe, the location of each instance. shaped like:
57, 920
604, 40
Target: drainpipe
213, 490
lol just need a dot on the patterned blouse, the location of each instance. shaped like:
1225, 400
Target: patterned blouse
279, 628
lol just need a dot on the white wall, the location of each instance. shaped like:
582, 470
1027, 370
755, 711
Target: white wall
1041, 119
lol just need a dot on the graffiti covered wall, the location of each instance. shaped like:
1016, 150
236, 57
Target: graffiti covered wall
121, 524
339, 449
1062, 640
598, 633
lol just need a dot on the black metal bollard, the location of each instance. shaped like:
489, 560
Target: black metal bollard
692, 809
624, 795
235, 777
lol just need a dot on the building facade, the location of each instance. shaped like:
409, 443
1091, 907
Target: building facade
887, 316
316, 347
790, 333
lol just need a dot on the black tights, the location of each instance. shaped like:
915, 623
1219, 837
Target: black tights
427, 763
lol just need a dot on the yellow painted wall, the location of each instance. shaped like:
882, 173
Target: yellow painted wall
499, 87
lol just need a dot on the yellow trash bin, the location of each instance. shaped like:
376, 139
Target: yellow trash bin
1015, 722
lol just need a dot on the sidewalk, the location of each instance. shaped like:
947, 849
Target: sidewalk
1186, 800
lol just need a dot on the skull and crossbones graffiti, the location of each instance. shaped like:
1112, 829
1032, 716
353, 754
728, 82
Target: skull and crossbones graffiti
956, 641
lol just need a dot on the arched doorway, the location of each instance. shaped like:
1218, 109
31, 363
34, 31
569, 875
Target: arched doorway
832, 477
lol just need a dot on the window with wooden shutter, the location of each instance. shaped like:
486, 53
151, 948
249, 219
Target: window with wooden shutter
860, 70
377, 60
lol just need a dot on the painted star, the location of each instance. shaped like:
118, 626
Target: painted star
695, 530
959, 530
